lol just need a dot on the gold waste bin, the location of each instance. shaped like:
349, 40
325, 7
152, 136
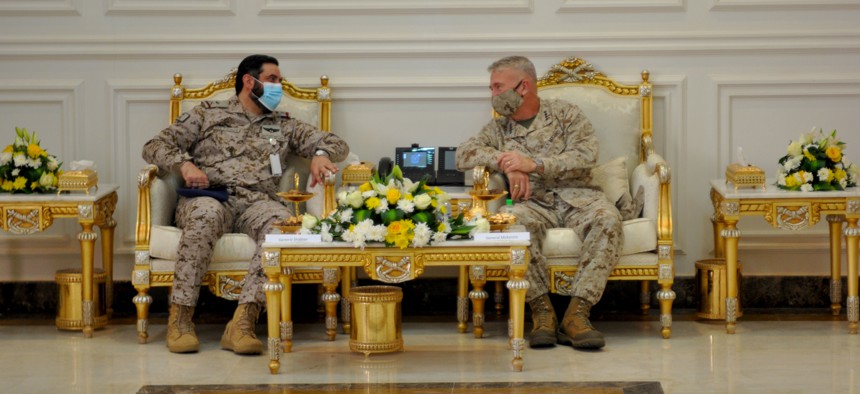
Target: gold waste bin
376, 319
712, 285
69, 306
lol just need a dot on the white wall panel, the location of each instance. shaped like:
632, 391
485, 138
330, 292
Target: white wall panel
621, 5
328, 7
740, 5
170, 7
41, 7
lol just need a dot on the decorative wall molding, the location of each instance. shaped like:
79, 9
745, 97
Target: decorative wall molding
415, 45
170, 7
746, 5
381, 7
40, 8
121, 95
622, 5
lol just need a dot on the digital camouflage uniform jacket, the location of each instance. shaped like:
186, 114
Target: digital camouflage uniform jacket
560, 135
232, 146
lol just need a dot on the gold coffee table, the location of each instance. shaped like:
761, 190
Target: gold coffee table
789, 210
282, 261
30, 213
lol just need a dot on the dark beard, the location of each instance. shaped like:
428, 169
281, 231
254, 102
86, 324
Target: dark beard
255, 94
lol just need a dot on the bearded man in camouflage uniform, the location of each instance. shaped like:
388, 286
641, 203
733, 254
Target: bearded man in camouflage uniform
546, 149
240, 145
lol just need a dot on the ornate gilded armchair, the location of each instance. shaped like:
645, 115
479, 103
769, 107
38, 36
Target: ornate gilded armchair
157, 238
621, 116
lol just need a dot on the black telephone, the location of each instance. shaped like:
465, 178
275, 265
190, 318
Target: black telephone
417, 162
384, 167
447, 174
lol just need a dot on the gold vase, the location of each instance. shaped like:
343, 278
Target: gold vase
376, 319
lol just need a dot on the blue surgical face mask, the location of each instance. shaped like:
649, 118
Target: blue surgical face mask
272, 93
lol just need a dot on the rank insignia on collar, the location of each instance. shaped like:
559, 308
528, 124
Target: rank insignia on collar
283, 115
182, 118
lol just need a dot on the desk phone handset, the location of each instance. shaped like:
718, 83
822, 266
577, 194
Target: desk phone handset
417, 162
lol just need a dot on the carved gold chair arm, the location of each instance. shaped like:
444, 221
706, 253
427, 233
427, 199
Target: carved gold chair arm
144, 218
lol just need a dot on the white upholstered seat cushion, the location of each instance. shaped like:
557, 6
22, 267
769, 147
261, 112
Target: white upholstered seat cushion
231, 247
640, 235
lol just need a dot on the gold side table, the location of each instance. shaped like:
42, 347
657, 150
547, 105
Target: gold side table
789, 210
31, 213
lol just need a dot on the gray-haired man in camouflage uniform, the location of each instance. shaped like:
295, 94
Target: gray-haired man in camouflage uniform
241, 145
547, 149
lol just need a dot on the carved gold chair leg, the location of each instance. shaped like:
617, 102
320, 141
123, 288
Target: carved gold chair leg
478, 296
645, 297
142, 301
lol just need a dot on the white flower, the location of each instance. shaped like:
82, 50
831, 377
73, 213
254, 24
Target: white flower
369, 194
354, 199
5, 158
325, 235
824, 174
445, 227
405, 205
35, 163
341, 197
439, 237
309, 221
421, 234
806, 139
806, 187
382, 207
843, 182
19, 142
481, 226
346, 215
794, 149
807, 177
422, 201
16, 171
52, 163
781, 179
377, 233
20, 159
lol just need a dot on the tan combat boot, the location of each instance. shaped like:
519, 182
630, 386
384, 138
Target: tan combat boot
575, 328
180, 330
545, 323
239, 335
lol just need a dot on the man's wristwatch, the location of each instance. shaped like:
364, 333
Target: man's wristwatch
321, 152
539, 164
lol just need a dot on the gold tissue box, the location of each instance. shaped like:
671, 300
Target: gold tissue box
356, 174
80, 180
742, 176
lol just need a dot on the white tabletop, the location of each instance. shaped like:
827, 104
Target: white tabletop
104, 190
446, 244
773, 191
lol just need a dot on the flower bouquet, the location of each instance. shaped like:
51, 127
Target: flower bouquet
26, 168
392, 210
815, 162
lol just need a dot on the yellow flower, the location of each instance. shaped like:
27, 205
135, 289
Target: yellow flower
408, 197
808, 155
34, 185
372, 203
34, 150
365, 187
393, 195
9, 149
6, 186
840, 174
400, 233
834, 153
20, 183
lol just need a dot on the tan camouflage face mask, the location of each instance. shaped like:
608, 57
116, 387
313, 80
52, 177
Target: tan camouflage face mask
508, 102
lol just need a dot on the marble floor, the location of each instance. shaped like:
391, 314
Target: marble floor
767, 355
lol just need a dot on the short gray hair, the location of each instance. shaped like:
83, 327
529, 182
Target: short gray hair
520, 63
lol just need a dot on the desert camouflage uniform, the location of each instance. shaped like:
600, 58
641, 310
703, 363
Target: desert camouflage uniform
232, 147
564, 139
